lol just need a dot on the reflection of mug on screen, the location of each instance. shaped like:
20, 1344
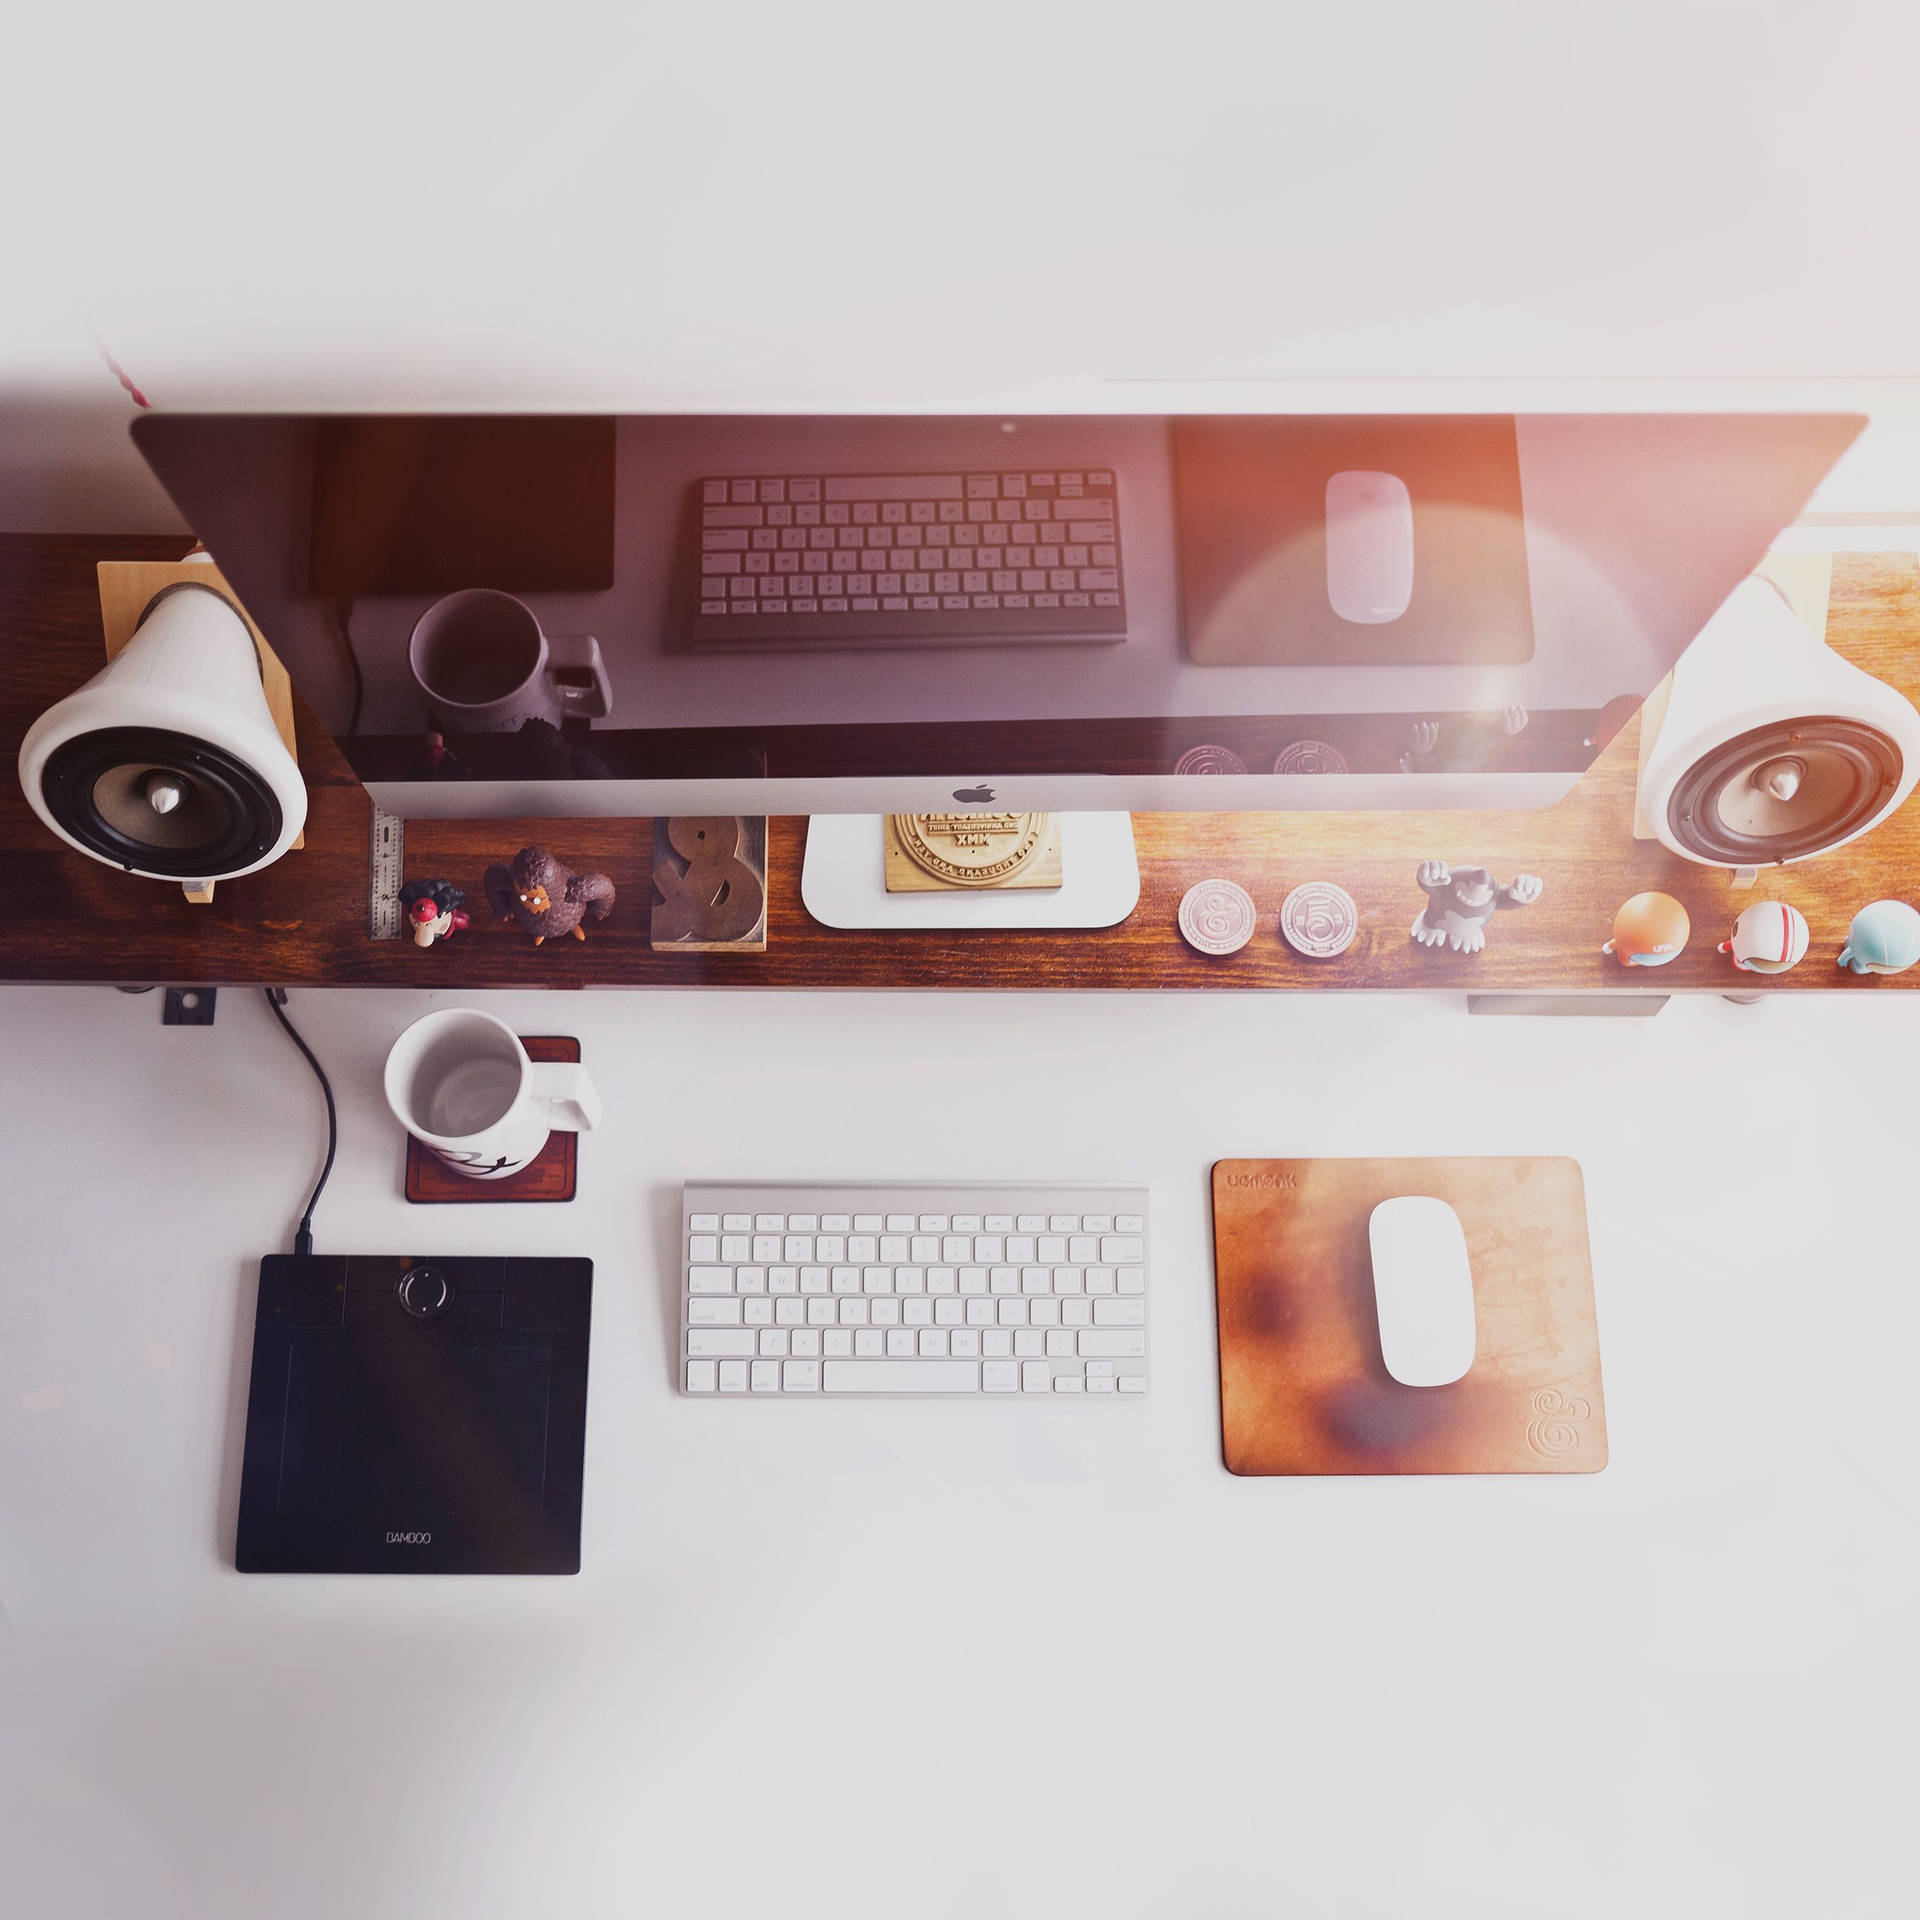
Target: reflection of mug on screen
484, 663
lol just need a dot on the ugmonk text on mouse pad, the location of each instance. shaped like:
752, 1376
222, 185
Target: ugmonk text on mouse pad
1303, 1386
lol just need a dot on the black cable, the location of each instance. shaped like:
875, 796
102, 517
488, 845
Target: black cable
277, 1000
343, 613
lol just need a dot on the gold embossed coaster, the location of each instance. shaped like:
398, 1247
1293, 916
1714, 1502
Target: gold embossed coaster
1303, 1386
968, 852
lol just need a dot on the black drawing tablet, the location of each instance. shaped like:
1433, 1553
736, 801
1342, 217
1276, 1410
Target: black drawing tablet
416, 1415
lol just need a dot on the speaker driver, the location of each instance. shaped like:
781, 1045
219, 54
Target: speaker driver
160, 802
1783, 792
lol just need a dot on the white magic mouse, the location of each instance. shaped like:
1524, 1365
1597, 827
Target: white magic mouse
1422, 1290
1369, 546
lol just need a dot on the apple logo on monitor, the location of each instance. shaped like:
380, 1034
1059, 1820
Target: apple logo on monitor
974, 796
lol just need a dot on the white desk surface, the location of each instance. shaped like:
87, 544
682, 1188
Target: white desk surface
982, 1659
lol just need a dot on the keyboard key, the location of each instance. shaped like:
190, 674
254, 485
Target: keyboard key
1036, 1377
900, 1376
1029, 1344
1112, 1344
703, 1223
806, 1343
709, 1279
999, 1376
801, 1376
1130, 1223
1116, 1249
725, 1343
1133, 1383
703, 1248
996, 1343
1067, 1383
836, 1345
1060, 1344
702, 1376
757, 1312
1119, 1313
705, 1312
733, 1376
766, 1376
773, 1343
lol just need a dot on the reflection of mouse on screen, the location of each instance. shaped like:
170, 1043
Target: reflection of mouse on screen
1423, 1290
1369, 546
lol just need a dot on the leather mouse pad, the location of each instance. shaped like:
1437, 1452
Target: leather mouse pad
1303, 1387
1251, 502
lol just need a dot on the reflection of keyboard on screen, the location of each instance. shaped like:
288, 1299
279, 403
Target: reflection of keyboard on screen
950, 557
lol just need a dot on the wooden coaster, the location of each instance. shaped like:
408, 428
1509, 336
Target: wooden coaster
972, 853
551, 1175
1303, 1388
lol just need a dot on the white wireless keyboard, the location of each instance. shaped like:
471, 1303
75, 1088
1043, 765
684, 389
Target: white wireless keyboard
912, 1290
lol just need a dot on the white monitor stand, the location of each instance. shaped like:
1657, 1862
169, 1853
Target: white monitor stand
843, 880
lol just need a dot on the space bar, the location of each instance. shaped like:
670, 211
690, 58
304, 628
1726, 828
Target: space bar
900, 1376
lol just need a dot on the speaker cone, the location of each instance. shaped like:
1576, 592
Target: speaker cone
160, 802
1783, 792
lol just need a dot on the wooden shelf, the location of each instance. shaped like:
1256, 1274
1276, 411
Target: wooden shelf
303, 921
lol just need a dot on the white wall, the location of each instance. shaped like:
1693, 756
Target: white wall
1503, 203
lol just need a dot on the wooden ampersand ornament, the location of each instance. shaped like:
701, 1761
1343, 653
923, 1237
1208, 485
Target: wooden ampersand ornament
717, 896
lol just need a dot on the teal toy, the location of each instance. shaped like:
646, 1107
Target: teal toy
1884, 938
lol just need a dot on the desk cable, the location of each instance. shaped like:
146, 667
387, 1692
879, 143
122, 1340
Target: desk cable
277, 1000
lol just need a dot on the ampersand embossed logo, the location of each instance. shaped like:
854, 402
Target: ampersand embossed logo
715, 895
1554, 1430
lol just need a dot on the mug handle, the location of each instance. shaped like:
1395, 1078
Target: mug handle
571, 1099
581, 651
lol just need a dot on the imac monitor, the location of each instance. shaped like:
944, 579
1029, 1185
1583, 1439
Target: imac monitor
655, 614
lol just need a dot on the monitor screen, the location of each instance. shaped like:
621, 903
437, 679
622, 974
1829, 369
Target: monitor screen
782, 613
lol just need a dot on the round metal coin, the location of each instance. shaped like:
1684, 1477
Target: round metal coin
1319, 919
1209, 759
1217, 917
1310, 756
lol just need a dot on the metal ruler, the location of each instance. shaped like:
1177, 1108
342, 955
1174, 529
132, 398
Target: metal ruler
386, 858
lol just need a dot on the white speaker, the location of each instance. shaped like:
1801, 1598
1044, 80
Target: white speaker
168, 762
1772, 748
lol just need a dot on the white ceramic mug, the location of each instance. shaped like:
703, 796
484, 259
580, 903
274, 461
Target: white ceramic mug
460, 1082
481, 658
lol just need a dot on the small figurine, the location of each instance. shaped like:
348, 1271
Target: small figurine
436, 762
432, 909
1649, 930
1884, 938
1769, 937
1459, 905
540, 751
545, 898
